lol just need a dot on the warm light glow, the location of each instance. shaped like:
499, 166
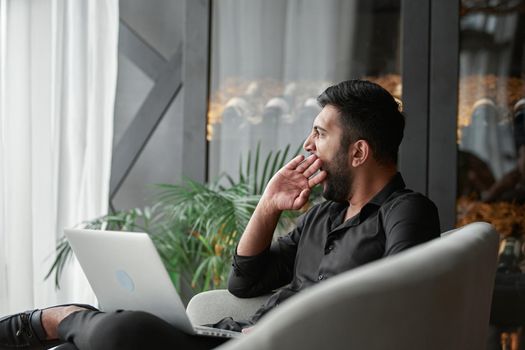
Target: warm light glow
258, 93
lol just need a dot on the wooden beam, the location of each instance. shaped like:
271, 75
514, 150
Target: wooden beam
136, 136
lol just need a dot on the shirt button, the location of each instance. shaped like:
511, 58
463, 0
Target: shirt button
321, 277
329, 249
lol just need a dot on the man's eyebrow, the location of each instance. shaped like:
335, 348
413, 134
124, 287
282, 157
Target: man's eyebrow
317, 128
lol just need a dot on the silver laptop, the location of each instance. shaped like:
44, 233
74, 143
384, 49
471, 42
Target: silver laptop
126, 273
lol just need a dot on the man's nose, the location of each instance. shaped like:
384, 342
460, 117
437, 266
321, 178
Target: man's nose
308, 145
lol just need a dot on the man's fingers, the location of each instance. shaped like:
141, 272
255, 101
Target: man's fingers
294, 162
313, 168
306, 163
317, 179
301, 199
247, 330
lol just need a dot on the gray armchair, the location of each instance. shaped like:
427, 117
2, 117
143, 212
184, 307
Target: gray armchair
434, 296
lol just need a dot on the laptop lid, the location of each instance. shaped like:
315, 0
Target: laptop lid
126, 272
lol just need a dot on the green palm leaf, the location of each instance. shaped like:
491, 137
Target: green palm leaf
196, 226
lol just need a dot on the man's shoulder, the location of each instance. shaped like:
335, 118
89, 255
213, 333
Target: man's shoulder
408, 198
411, 206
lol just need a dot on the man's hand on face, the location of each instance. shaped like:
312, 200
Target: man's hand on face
290, 187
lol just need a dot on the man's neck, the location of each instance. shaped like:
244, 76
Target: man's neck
366, 186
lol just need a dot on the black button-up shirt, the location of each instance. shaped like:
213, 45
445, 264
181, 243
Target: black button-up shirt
324, 245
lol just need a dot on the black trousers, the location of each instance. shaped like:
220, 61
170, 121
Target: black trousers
130, 330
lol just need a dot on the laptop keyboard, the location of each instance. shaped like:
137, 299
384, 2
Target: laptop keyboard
214, 332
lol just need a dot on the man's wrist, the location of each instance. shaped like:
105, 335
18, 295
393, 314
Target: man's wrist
267, 206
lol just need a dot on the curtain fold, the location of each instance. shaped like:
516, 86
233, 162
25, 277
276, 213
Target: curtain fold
58, 69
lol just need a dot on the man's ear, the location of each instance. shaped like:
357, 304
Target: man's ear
360, 151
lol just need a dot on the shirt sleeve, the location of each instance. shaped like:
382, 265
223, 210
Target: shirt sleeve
411, 220
273, 268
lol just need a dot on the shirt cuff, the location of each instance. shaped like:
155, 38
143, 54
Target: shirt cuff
246, 266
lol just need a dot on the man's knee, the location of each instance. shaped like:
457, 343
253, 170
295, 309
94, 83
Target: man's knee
126, 330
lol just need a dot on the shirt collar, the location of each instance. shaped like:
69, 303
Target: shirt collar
396, 183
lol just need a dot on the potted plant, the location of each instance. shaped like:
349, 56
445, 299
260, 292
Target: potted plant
195, 226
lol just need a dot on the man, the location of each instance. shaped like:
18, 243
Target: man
368, 215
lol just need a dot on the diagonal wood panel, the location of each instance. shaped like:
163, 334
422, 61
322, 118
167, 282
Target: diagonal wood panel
136, 136
143, 55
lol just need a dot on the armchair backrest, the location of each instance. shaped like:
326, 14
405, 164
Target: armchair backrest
434, 296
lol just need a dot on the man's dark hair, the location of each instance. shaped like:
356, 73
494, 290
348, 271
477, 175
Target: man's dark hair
370, 113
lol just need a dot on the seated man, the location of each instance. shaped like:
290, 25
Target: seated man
369, 214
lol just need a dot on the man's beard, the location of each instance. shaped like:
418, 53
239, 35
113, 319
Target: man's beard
338, 184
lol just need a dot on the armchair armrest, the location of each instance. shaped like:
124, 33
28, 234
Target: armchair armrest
212, 306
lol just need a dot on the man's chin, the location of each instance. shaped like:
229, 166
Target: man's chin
332, 195
327, 194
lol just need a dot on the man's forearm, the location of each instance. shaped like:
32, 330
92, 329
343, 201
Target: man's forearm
288, 189
259, 231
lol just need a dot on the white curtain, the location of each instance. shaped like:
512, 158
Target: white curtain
58, 66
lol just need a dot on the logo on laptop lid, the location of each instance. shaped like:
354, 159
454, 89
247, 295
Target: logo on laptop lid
125, 280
